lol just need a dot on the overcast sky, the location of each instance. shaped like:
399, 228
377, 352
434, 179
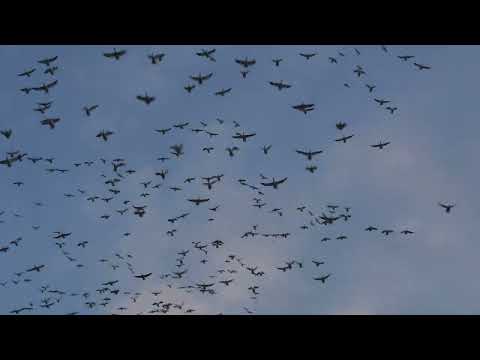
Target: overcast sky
431, 158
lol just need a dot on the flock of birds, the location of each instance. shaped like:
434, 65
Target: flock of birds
182, 278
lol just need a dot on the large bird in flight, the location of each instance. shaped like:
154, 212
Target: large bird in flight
322, 278
198, 201
105, 134
156, 58
422, 67
380, 145
308, 56
405, 57
146, 98
447, 207
115, 54
223, 92
309, 154
48, 61
243, 136
279, 85
50, 122
201, 78
274, 183
304, 107
143, 276
27, 73
344, 138
207, 54
277, 61
88, 109
46, 87
245, 63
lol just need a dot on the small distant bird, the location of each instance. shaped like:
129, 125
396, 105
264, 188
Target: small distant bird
88, 109
50, 122
266, 149
311, 168
7, 133
189, 88
447, 207
231, 151
104, 134
156, 58
277, 61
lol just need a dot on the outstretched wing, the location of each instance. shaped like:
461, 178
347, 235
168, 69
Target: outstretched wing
52, 84
301, 152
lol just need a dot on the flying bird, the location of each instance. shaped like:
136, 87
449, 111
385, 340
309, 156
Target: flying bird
266, 149
309, 154
305, 108
115, 54
243, 136
344, 139
308, 56
50, 122
7, 133
277, 61
381, 102
48, 61
231, 150
279, 85
88, 109
105, 134
156, 58
207, 54
322, 278
200, 79
391, 109
380, 145
223, 92
274, 183
46, 87
447, 207
422, 67
311, 168
51, 70
189, 88
198, 201
146, 99
177, 150
143, 276
27, 73
246, 62
405, 57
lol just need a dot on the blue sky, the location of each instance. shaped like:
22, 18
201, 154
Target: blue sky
430, 159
